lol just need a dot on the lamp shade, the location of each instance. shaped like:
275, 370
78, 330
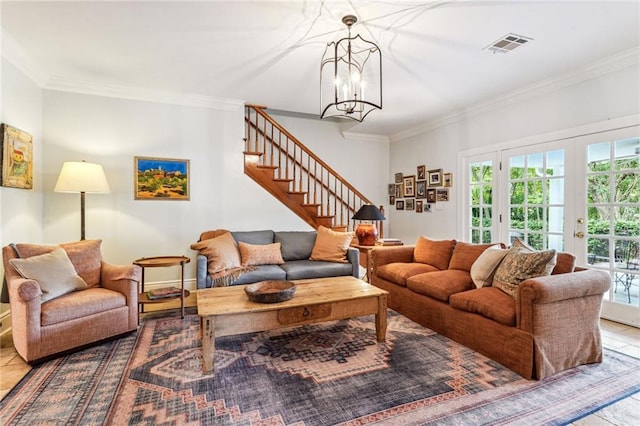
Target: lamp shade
368, 212
80, 176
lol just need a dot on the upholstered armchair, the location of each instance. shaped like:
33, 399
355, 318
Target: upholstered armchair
49, 318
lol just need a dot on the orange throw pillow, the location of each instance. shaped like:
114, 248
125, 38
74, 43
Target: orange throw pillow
260, 254
331, 246
434, 253
222, 252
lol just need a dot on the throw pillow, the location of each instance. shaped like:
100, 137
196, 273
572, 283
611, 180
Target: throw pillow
331, 246
53, 272
260, 254
434, 253
521, 264
221, 251
485, 266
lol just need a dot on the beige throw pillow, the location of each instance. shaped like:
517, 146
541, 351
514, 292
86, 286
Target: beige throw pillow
520, 264
222, 252
331, 246
53, 272
485, 266
260, 254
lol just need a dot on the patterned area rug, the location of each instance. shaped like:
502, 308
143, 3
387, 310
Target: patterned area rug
325, 374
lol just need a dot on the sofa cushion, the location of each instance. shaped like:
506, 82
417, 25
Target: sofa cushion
485, 266
80, 304
464, 254
53, 272
303, 269
260, 254
222, 252
254, 237
331, 246
565, 263
434, 253
295, 245
521, 264
440, 285
85, 255
261, 273
489, 302
398, 272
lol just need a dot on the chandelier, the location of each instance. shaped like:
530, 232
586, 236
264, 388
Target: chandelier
350, 77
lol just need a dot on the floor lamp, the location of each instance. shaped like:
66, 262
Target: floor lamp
82, 177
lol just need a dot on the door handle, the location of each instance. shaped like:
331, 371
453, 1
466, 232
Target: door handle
578, 234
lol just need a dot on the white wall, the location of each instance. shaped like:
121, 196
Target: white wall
611, 95
112, 131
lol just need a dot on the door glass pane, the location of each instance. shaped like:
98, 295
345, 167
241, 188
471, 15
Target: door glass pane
481, 201
556, 219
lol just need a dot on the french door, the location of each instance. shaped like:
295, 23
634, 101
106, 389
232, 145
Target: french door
580, 195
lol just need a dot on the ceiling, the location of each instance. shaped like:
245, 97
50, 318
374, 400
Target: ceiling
268, 52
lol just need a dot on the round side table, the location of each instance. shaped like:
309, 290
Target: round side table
162, 262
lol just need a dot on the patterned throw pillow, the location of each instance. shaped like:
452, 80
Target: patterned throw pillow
520, 264
53, 272
331, 246
260, 254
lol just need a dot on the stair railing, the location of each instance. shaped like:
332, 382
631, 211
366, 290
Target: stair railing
322, 186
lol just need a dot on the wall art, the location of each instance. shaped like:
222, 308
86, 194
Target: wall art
161, 178
419, 207
391, 189
398, 177
399, 204
392, 200
427, 208
421, 189
431, 195
435, 177
16, 158
442, 194
447, 180
421, 172
409, 204
398, 190
409, 186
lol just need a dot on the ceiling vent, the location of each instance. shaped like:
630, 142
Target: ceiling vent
507, 43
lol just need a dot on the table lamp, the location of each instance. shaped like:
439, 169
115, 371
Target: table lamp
367, 233
82, 177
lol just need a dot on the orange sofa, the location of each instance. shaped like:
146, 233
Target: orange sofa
551, 325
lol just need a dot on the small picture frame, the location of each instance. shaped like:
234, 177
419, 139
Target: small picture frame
399, 204
16, 158
421, 189
421, 172
442, 194
435, 177
392, 200
409, 204
447, 180
398, 190
398, 177
431, 195
161, 178
427, 208
391, 189
409, 186
419, 206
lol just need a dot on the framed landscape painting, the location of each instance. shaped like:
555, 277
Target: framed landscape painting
16, 158
161, 178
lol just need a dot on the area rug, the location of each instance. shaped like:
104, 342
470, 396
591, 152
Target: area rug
324, 374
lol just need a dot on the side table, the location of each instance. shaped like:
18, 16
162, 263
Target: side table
365, 254
161, 262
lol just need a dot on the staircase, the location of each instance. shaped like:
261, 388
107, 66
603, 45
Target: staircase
293, 174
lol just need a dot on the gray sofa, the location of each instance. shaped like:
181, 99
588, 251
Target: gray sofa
296, 247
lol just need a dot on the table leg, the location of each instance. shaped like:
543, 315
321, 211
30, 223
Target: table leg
381, 318
207, 326
182, 289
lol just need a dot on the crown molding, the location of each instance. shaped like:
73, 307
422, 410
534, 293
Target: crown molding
365, 137
590, 71
141, 94
19, 58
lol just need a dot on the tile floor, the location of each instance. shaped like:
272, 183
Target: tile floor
617, 336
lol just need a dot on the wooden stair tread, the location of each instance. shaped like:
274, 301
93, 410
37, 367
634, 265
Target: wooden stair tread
252, 153
297, 192
262, 166
282, 180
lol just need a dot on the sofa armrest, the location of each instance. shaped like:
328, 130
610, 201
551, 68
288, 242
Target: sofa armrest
379, 256
202, 271
123, 279
25, 302
353, 256
565, 292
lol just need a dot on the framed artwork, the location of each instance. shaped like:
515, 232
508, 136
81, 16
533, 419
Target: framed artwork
409, 186
421, 172
161, 178
447, 180
391, 189
442, 194
435, 177
421, 189
431, 195
427, 208
16, 158
392, 200
398, 177
399, 204
409, 204
419, 206
398, 190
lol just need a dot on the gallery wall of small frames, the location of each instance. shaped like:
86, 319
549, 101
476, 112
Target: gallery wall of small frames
420, 191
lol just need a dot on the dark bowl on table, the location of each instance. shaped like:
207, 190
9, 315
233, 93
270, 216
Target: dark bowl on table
272, 291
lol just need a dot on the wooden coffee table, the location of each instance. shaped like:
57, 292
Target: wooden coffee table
226, 311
